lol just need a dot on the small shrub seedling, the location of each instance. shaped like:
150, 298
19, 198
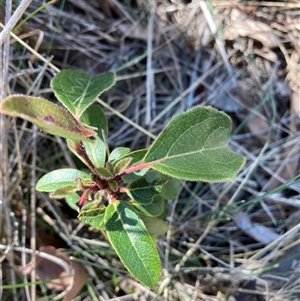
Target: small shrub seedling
127, 191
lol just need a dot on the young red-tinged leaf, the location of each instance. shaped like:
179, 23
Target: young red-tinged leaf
77, 90
132, 242
46, 115
60, 178
194, 146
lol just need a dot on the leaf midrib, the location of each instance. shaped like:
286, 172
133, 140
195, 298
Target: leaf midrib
77, 108
132, 244
184, 154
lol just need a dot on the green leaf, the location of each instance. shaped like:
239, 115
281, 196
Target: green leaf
109, 166
63, 191
46, 115
105, 173
122, 165
94, 217
155, 226
71, 200
113, 185
96, 150
132, 242
136, 156
60, 178
143, 192
118, 152
194, 146
71, 146
156, 208
77, 90
170, 189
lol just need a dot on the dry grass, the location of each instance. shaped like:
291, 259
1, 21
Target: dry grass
227, 241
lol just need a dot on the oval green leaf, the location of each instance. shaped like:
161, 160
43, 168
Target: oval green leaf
143, 192
170, 189
122, 165
136, 156
94, 217
46, 115
63, 192
156, 208
96, 150
104, 173
72, 200
118, 152
132, 242
155, 226
77, 90
194, 146
60, 178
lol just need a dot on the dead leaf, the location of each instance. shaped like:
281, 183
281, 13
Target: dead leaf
80, 277
64, 273
242, 26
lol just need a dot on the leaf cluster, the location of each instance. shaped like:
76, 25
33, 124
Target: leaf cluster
125, 192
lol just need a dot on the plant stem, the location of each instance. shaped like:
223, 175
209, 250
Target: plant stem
80, 150
14, 19
96, 177
136, 167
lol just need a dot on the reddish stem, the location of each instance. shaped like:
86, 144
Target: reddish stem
80, 150
136, 167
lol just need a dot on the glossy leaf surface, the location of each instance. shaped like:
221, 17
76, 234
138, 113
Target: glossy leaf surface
132, 242
194, 146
